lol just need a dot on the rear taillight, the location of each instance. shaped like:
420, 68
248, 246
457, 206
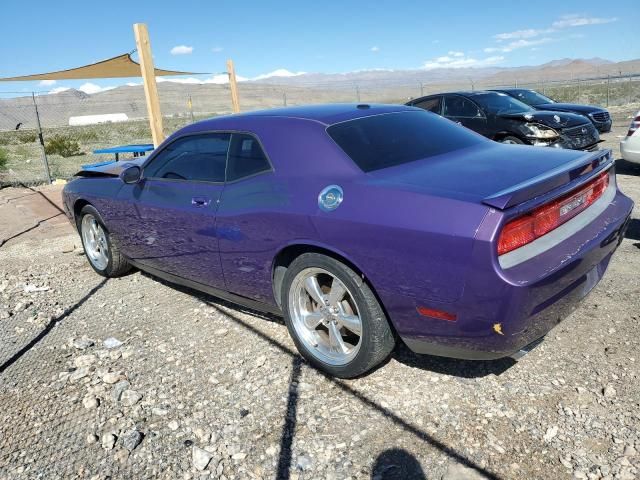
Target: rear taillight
527, 228
635, 124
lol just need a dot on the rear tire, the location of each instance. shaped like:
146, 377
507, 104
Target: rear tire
333, 317
104, 257
511, 140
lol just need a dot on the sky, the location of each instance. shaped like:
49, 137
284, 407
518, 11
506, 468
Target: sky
293, 36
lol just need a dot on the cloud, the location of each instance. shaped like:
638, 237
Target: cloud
455, 54
528, 33
375, 49
522, 43
91, 88
47, 83
181, 50
457, 61
281, 72
217, 49
564, 22
53, 91
568, 21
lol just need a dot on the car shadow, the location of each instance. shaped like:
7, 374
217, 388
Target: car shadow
624, 167
467, 369
633, 230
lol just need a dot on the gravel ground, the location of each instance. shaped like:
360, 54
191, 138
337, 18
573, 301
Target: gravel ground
135, 378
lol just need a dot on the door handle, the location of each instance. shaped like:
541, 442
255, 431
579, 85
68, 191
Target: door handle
200, 201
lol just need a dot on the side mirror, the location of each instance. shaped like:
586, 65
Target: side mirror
131, 174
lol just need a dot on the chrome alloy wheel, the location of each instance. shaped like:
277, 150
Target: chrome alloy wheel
95, 242
508, 141
325, 316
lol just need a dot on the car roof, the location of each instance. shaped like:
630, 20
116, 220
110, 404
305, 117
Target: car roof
327, 114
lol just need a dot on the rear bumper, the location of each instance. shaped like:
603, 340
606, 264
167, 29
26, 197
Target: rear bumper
502, 311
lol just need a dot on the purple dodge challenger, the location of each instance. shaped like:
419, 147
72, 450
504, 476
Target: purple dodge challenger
363, 225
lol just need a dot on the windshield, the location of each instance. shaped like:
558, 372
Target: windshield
501, 103
386, 140
530, 97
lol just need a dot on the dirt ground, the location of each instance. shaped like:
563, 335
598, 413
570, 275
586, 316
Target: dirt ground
135, 378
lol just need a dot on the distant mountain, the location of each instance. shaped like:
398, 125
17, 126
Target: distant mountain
287, 88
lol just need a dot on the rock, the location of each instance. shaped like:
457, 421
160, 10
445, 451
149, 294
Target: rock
4, 314
111, 377
271, 451
221, 332
130, 397
629, 451
239, 456
551, 432
200, 458
118, 388
202, 435
213, 380
260, 360
303, 463
92, 438
78, 373
90, 402
121, 455
173, 425
83, 343
111, 342
458, 471
609, 391
84, 360
108, 440
160, 412
131, 439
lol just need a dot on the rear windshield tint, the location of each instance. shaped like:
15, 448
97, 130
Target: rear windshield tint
383, 141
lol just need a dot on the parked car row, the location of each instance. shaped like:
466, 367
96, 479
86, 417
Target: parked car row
503, 116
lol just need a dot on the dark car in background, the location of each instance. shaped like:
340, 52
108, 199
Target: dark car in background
598, 116
505, 119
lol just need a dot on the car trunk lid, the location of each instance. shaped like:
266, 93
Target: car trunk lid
500, 176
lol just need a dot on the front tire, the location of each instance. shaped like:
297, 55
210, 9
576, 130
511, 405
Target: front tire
104, 257
511, 140
333, 317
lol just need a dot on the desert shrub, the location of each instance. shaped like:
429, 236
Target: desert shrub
62, 145
4, 159
87, 136
26, 137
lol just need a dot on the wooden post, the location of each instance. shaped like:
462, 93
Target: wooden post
149, 81
235, 101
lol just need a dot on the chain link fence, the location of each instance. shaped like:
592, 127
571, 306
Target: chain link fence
73, 124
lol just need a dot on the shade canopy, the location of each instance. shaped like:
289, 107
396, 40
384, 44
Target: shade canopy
121, 66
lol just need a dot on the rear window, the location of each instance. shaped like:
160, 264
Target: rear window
383, 141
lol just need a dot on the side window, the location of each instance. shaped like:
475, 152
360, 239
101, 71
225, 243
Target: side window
197, 157
245, 157
455, 106
431, 104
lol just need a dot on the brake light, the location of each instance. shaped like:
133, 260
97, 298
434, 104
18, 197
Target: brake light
635, 124
531, 226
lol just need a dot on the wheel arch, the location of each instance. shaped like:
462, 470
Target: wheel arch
290, 252
78, 205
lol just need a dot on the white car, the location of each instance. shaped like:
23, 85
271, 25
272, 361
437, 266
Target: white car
630, 145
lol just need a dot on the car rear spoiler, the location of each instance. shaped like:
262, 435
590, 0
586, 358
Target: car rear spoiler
554, 178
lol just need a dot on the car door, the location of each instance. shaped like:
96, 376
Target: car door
172, 210
465, 112
247, 224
